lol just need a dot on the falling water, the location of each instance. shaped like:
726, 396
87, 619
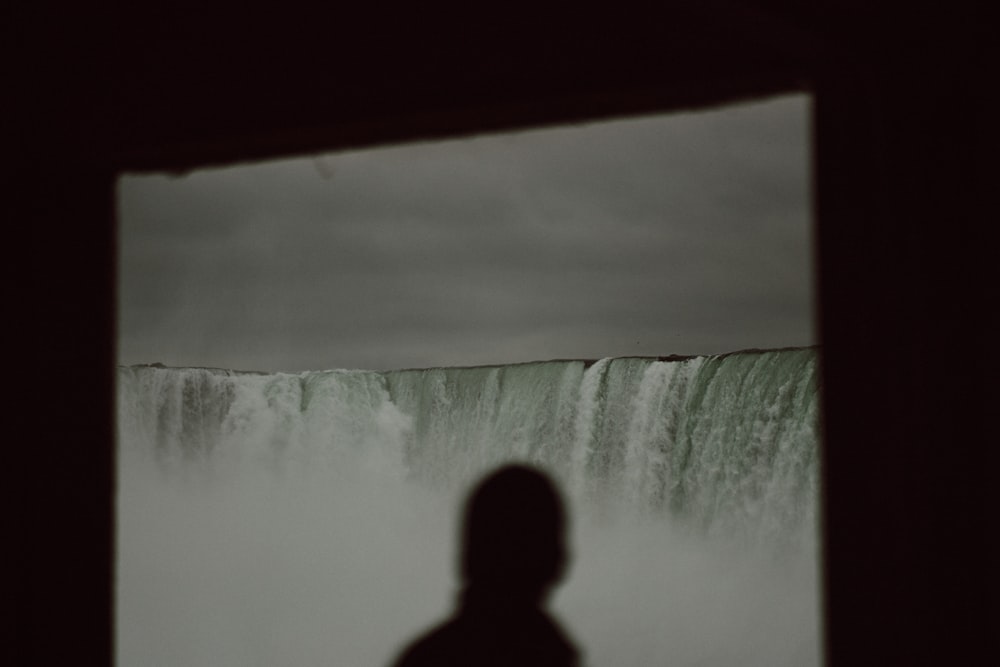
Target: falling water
309, 518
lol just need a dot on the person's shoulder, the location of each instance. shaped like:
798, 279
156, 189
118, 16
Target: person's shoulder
435, 647
535, 639
560, 649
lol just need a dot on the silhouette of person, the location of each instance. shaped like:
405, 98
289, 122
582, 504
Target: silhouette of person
513, 553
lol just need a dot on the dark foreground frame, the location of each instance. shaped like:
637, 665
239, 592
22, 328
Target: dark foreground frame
905, 277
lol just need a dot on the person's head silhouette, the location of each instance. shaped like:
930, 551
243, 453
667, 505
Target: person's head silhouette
513, 534
513, 551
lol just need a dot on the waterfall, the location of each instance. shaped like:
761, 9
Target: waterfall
709, 461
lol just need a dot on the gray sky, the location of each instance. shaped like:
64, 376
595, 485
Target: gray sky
678, 234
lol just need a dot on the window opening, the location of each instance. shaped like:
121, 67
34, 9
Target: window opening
319, 355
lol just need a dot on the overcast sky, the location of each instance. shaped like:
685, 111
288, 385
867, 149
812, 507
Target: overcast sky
677, 234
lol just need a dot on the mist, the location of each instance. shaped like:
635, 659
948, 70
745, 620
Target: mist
311, 519
305, 568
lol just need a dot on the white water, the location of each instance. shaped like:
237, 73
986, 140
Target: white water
308, 519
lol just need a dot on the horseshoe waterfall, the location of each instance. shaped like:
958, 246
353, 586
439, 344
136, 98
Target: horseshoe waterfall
309, 519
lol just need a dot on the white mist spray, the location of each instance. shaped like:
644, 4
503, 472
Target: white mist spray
310, 519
